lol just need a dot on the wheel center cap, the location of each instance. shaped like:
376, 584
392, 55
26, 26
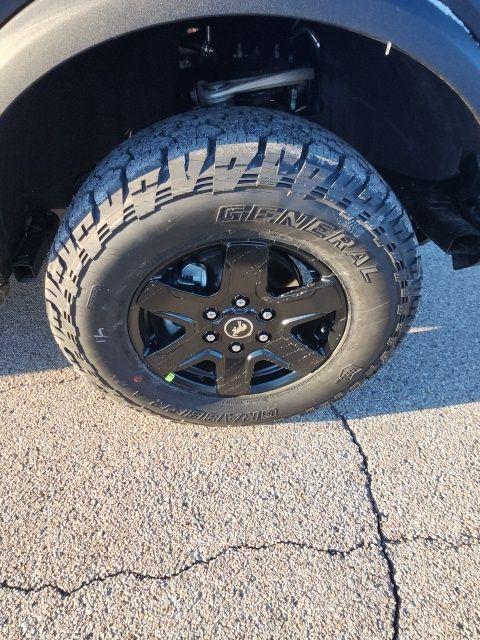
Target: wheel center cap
238, 328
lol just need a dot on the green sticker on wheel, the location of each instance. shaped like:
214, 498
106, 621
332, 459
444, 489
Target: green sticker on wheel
170, 377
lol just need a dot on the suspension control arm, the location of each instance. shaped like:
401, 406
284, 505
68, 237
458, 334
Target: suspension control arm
208, 93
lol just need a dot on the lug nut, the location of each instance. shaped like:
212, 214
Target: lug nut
236, 347
211, 314
240, 301
263, 336
266, 314
210, 336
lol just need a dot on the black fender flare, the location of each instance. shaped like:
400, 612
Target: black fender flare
46, 33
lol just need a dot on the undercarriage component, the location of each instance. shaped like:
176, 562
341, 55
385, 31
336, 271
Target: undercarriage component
4, 288
207, 49
34, 245
210, 93
445, 213
5, 273
280, 72
441, 220
468, 189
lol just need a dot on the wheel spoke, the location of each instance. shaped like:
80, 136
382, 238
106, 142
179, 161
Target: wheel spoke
307, 303
161, 299
291, 354
175, 355
245, 270
233, 377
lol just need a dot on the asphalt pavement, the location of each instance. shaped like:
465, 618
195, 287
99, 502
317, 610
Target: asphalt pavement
359, 521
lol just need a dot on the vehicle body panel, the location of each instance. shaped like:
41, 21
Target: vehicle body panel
469, 12
47, 32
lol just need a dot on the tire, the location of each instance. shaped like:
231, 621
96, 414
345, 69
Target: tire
231, 177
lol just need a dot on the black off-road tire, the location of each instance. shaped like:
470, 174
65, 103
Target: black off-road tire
227, 172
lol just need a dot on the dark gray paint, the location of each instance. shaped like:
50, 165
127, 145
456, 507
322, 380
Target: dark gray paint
8, 8
47, 32
469, 12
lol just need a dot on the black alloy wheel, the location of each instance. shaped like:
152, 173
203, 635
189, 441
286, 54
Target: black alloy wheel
238, 318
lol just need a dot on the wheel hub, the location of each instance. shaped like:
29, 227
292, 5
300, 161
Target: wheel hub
238, 327
242, 331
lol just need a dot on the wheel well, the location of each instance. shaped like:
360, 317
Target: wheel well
393, 110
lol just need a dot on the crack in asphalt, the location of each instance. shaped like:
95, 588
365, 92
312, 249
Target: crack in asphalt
383, 540
331, 551
469, 540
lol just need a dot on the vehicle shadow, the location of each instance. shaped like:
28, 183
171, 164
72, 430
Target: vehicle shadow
26, 343
438, 364
433, 368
